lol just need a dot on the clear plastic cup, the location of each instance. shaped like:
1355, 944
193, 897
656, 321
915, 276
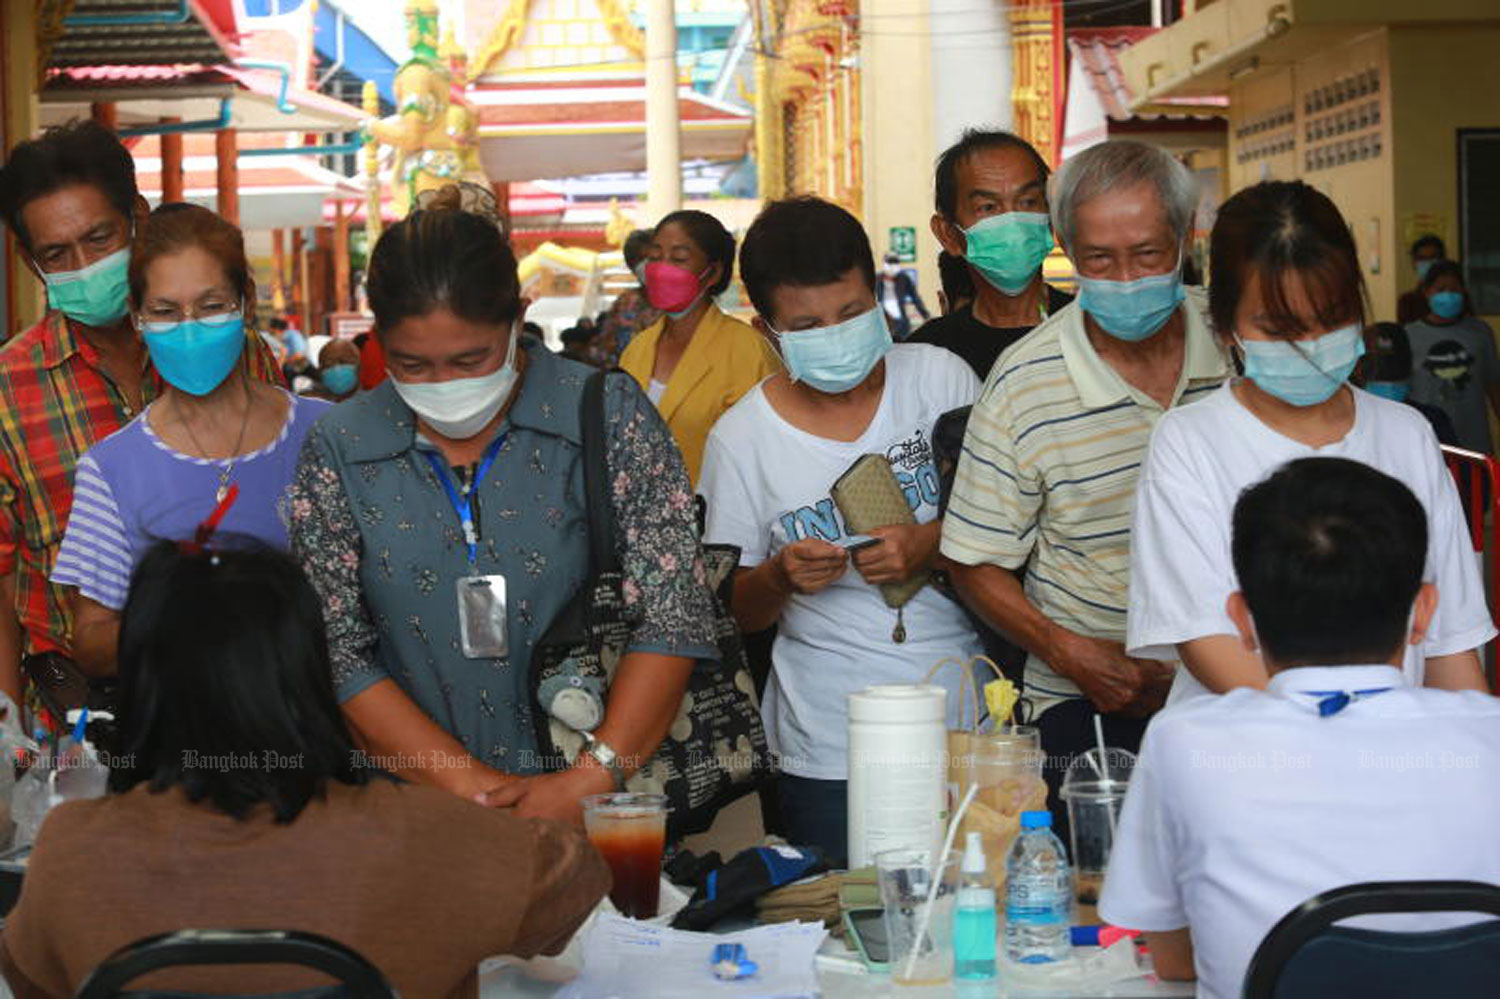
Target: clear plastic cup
1094, 794
921, 942
630, 830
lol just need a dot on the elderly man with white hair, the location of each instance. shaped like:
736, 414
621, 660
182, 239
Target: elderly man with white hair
1048, 472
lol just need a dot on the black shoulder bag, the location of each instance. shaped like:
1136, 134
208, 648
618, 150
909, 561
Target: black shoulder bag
715, 751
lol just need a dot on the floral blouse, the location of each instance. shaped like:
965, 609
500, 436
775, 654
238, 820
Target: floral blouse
378, 537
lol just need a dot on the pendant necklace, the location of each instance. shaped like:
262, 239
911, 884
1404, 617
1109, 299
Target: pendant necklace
228, 469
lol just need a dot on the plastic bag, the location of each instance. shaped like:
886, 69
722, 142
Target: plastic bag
1087, 969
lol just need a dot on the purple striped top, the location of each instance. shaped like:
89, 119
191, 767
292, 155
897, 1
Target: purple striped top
132, 489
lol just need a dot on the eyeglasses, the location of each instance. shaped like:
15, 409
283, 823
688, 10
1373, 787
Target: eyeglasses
159, 316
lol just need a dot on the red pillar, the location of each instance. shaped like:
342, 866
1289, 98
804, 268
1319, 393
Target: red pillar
278, 268
171, 165
298, 296
341, 301
106, 114
226, 148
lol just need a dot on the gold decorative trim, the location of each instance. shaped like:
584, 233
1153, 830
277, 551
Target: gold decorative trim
508, 32
617, 22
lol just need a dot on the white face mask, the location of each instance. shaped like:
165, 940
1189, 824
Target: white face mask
461, 407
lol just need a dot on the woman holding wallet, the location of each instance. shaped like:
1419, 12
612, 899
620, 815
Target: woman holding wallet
772, 475
441, 518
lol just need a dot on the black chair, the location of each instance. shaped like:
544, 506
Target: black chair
358, 978
1306, 956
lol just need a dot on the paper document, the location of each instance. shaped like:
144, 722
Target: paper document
625, 959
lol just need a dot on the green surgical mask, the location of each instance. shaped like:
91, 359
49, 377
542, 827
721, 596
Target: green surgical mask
94, 295
1008, 249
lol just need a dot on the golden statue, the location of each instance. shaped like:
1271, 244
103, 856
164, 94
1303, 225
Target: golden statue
433, 134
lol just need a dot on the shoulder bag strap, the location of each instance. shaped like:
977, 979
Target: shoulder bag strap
603, 555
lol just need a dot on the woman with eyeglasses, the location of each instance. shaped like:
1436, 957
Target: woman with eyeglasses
215, 441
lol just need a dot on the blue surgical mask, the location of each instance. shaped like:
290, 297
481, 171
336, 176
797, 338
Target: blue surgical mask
1008, 249
196, 355
1395, 391
1446, 304
340, 379
1132, 310
93, 295
1423, 266
834, 359
1304, 372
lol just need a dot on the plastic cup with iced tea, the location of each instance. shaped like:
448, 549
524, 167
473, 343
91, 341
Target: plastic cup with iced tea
630, 830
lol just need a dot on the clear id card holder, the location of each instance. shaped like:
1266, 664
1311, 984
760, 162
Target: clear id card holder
482, 628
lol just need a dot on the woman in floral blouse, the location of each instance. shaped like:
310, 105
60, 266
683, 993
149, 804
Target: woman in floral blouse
474, 416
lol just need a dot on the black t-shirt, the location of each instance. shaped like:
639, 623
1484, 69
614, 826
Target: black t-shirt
979, 345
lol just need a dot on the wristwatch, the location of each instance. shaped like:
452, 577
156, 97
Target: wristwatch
605, 755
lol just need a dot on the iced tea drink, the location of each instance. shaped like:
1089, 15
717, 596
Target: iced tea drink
630, 830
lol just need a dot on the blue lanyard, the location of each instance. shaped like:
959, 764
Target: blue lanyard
1331, 702
462, 505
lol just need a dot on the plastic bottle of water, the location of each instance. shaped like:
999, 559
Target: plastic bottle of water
974, 919
1038, 894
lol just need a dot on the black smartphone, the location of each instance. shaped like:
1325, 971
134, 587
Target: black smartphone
866, 931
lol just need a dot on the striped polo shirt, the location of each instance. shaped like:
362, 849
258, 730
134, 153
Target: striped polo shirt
1048, 473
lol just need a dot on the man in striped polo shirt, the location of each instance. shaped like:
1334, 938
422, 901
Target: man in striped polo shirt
1048, 472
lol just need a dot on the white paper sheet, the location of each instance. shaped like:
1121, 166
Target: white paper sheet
625, 959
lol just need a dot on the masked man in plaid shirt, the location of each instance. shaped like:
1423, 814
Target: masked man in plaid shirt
74, 378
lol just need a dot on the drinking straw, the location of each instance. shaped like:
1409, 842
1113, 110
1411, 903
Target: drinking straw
1099, 738
937, 867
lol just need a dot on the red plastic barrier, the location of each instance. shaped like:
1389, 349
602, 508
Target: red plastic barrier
1478, 479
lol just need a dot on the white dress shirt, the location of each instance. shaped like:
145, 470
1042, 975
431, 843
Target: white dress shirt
1245, 805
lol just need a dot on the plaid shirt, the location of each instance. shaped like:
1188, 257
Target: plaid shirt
56, 402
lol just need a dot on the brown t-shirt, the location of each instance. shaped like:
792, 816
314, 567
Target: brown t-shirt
422, 883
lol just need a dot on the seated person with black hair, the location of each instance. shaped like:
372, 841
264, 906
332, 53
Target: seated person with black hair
1245, 805
239, 801
768, 469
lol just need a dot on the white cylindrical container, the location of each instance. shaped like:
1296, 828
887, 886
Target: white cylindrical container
898, 754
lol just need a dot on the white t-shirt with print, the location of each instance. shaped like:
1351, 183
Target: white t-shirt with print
767, 484
1203, 456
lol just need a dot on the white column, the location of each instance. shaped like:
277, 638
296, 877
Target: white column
896, 85
663, 140
971, 68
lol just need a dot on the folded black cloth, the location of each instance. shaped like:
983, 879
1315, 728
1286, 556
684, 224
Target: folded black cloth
735, 886
688, 870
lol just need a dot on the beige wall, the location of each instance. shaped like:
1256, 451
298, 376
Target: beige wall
896, 103
1362, 189
1444, 79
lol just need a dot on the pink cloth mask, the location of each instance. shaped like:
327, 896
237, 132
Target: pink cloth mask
671, 289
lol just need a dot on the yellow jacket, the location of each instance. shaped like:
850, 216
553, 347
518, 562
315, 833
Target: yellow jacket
725, 359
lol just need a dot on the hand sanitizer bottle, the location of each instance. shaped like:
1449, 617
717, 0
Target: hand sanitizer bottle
974, 929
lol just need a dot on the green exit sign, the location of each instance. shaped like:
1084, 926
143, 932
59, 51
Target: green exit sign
904, 242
